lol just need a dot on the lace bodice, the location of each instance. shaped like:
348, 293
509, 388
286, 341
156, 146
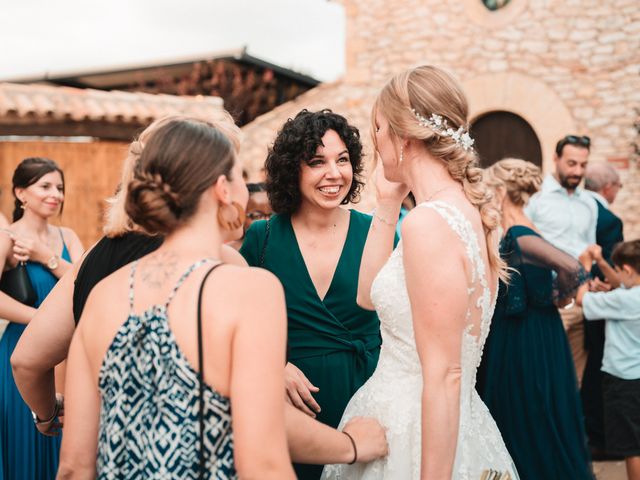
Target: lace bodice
391, 300
480, 446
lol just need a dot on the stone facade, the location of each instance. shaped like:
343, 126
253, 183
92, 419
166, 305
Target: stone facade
565, 66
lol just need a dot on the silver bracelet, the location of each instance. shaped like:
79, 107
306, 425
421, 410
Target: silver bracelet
391, 224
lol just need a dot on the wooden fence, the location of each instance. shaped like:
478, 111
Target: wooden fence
92, 172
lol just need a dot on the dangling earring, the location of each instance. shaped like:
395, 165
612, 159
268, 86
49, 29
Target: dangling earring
401, 154
231, 223
23, 204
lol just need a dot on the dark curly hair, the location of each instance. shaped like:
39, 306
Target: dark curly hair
297, 142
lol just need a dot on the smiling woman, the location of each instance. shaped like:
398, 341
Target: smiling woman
38, 188
314, 247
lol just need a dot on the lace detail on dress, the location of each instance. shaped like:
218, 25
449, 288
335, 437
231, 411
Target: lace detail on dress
393, 394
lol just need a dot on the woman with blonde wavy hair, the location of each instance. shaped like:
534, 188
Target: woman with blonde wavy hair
527, 378
434, 293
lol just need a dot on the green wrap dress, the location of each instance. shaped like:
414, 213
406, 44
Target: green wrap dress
333, 341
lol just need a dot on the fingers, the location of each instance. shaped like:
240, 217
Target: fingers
309, 400
310, 386
20, 251
299, 390
297, 402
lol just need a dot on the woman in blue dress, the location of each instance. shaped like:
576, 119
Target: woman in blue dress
38, 186
527, 378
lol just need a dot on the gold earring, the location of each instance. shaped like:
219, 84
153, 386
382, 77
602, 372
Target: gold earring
231, 223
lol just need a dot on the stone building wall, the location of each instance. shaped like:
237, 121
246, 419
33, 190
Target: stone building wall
564, 66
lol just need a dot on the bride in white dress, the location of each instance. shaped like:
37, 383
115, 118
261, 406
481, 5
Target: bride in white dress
434, 293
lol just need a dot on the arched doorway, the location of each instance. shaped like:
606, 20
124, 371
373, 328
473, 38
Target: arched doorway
501, 134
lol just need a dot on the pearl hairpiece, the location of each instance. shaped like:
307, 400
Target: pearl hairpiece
440, 125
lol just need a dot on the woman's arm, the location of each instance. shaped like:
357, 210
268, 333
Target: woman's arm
379, 244
26, 248
437, 285
258, 353
80, 439
43, 345
313, 442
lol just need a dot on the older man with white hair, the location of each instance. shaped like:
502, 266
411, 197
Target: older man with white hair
602, 181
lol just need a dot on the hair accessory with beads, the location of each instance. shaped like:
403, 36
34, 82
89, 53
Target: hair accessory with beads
440, 125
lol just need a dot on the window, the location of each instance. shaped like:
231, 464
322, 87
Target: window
494, 5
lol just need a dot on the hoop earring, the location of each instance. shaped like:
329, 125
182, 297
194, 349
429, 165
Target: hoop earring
234, 223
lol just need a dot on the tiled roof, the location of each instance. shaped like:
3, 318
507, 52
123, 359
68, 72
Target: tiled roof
64, 103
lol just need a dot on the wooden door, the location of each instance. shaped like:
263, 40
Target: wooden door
503, 134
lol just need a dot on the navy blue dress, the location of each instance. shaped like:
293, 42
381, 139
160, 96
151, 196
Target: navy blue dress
527, 378
25, 454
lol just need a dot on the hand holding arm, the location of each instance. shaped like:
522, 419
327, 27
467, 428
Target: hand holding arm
313, 442
299, 388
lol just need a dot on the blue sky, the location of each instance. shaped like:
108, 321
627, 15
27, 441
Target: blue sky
72, 36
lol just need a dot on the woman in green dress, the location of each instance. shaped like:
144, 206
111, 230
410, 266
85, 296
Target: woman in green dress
314, 246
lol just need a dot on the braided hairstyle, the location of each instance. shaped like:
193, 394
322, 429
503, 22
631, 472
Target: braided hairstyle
430, 90
179, 162
519, 178
117, 222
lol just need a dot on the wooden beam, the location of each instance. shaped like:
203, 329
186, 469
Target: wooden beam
69, 128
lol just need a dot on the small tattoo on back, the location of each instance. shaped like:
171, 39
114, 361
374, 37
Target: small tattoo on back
159, 268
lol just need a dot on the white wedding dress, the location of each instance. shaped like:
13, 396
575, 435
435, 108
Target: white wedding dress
393, 394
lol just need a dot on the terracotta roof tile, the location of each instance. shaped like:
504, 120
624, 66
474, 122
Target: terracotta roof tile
38, 101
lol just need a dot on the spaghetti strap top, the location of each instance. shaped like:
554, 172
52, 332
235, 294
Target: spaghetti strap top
149, 404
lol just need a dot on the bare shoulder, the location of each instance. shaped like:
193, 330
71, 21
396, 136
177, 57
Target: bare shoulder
252, 281
427, 226
70, 236
244, 289
231, 256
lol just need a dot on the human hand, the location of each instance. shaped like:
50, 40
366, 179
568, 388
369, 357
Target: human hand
586, 259
387, 191
369, 437
596, 252
299, 390
54, 427
26, 248
597, 285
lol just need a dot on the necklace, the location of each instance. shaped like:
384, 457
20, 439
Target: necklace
438, 191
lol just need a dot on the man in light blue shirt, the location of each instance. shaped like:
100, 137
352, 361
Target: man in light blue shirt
563, 212
566, 216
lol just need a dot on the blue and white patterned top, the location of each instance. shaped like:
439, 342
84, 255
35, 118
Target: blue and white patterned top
149, 409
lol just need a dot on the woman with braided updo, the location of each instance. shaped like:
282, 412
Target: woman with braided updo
173, 350
434, 293
527, 377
